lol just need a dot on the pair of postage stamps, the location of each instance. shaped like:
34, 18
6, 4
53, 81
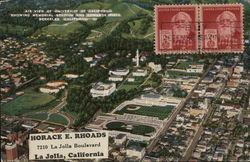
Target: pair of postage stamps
181, 29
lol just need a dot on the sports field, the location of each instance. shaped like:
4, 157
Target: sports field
56, 118
160, 112
39, 116
30, 101
134, 129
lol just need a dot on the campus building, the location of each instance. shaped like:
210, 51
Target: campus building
71, 75
119, 71
157, 100
115, 78
120, 139
135, 151
101, 90
195, 68
49, 89
156, 67
140, 73
56, 83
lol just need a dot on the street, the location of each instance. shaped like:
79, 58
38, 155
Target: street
174, 114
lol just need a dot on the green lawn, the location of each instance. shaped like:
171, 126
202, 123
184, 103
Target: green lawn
142, 129
73, 115
136, 30
59, 30
182, 65
40, 116
56, 118
172, 72
151, 83
127, 86
31, 101
160, 112
115, 125
131, 85
126, 10
136, 129
14, 29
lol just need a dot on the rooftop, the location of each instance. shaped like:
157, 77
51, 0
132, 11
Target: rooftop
102, 86
150, 95
120, 69
120, 136
135, 148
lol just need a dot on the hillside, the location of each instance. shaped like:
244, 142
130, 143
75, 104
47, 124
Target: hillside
133, 14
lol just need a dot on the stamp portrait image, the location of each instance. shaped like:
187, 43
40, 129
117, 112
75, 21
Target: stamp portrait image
176, 29
222, 28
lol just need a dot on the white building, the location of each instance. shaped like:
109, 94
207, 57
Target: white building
195, 68
56, 83
158, 100
238, 69
210, 92
140, 73
204, 104
136, 151
71, 75
101, 90
49, 90
115, 78
92, 64
131, 79
29, 124
120, 139
228, 106
156, 67
120, 72
88, 59
140, 118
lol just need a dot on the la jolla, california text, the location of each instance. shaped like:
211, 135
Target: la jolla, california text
77, 155
62, 145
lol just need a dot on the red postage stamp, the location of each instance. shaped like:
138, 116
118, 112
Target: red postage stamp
176, 29
221, 28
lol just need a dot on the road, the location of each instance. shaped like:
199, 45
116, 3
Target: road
148, 35
144, 10
199, 132
168, 122
57, 109
145, 81
129, 75
132, 11
113, 28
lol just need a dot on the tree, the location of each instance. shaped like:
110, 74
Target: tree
156, 78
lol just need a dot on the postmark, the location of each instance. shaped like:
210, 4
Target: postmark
176, 29
221, 28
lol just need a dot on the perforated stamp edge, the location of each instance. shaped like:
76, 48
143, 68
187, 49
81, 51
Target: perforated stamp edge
156, 43
223, 51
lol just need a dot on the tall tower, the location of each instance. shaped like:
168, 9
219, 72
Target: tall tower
11, 151
137, 58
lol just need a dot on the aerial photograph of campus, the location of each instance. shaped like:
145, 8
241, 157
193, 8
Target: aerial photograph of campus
106, 72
